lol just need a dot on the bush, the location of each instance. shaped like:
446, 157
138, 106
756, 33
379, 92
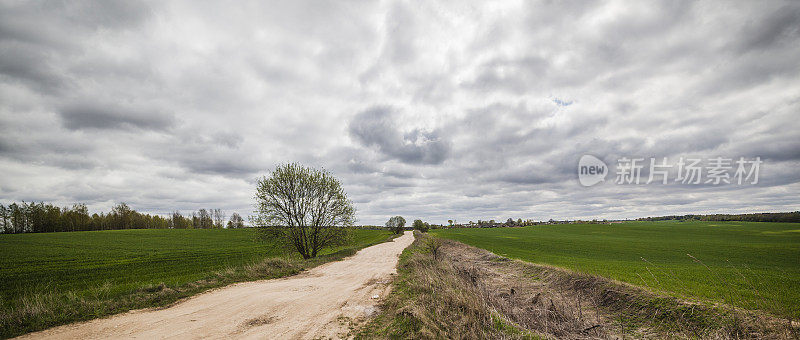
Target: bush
421, 226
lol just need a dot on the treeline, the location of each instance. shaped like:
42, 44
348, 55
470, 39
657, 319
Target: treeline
510, 222
756, 217
17, 218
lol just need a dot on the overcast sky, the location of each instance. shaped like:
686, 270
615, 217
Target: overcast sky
432, 110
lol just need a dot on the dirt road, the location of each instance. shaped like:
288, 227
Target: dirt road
319, 303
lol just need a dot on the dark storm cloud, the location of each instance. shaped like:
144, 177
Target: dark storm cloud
377, 127
219, 153
37, 38
41, 149
773, 149
115, 14
27, 22
109, 116
483, 109
782, 26
229, 167
29, 66
531, 175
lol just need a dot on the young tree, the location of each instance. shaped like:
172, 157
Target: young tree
176, 220
4, 217
17, 217
204, 219
122, 215
236, 221
304, 207
219, 218
396, 224
78, 216
53, 218
421, 226
97, 222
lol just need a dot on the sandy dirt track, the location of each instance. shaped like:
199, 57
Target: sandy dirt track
319, 303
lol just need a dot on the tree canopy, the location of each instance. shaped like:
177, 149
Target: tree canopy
305, 208
396, 224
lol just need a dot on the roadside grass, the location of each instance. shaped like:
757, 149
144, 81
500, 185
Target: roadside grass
430, 300
750, 265
59, 278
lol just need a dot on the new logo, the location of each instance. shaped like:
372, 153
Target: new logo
591, 170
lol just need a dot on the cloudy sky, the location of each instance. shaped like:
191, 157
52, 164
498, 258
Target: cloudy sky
434, 110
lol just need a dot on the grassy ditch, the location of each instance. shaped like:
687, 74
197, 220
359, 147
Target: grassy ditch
430, 299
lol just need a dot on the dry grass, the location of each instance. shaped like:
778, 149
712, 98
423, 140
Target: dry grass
432, 299
466, 292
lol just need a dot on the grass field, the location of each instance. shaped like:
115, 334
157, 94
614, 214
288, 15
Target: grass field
83, 275
128, 259
746, 264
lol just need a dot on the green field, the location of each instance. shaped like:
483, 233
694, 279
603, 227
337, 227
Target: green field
128, 259
54, 278
748, 264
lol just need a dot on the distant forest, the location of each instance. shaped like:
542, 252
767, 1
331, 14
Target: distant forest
756, 217
42, 218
